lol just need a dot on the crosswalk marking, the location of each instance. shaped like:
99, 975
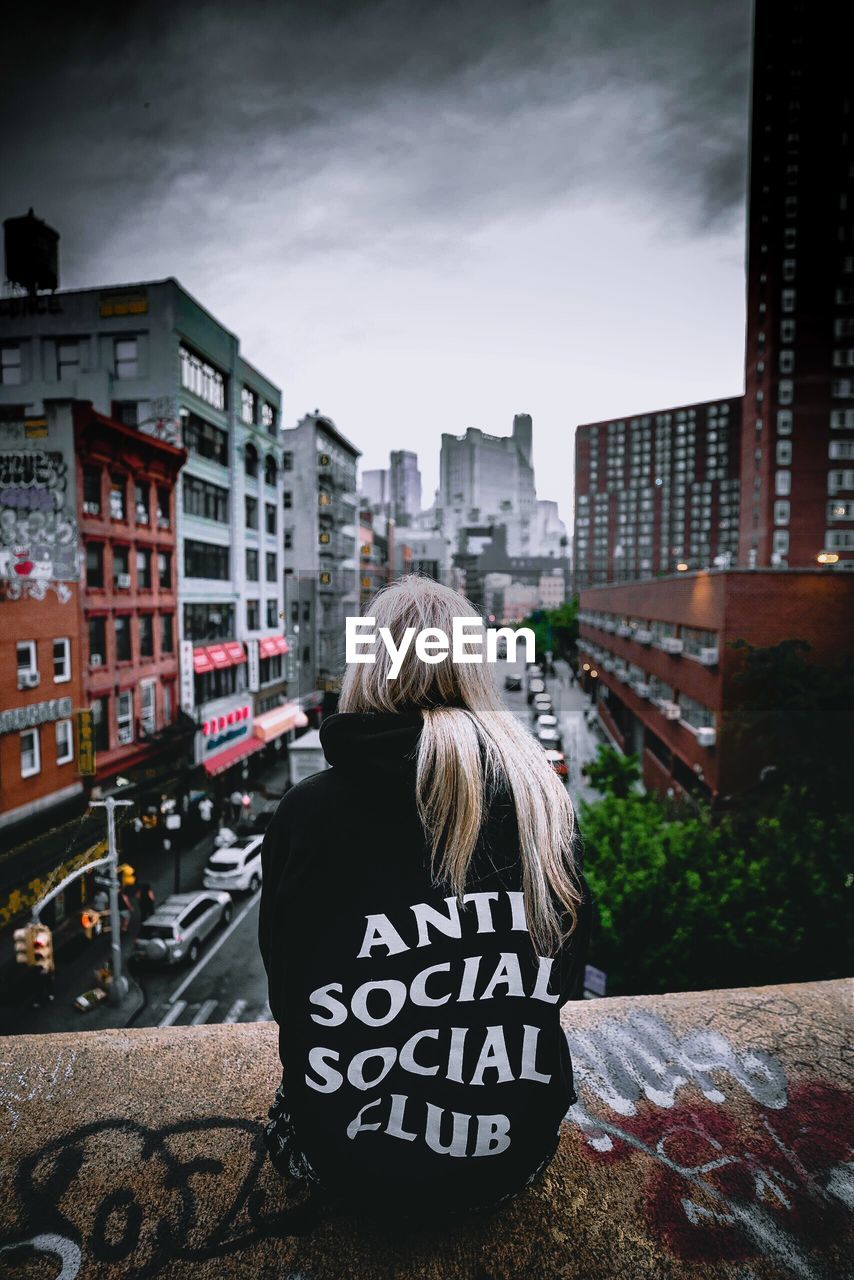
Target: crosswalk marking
203, 1012
235, 1011
174, 1013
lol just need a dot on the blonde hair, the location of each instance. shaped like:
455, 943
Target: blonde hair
470, 748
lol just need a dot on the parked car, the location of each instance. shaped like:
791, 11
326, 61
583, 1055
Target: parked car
237, 867
549, 738
177, 928
513, 683
541, 706
557, 760
550, 722
535, 687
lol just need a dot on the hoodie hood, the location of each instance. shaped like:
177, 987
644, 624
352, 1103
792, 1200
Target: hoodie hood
380, 740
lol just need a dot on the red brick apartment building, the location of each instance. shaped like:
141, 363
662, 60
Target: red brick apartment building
126, 512
716, 522
659, 660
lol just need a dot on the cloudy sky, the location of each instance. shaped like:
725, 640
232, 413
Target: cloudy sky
418, 215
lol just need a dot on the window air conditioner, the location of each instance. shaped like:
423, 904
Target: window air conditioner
623, 675
671, 644
91, 508
28, 679
643, 636
95, 660
624, 631
706, 736
670, 710
641, 688
125, 734
123, 580
708, 657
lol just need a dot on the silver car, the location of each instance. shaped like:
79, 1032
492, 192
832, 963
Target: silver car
236, 867
179, 926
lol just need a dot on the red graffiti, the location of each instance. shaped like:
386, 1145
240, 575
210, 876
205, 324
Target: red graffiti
723, 1177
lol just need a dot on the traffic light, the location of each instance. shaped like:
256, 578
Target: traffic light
127, 874
24, 953
42, 947
91, 922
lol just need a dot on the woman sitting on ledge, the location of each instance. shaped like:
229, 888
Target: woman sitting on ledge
423, 919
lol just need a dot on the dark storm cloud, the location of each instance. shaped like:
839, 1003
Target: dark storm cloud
375, 127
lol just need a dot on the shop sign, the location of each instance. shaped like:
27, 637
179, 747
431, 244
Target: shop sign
38, 519
222, 726
35, 714
254, 666
188, 696
85, 743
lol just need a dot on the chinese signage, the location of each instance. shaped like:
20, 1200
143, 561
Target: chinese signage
38, 525
188, 699
35, 714
85, 743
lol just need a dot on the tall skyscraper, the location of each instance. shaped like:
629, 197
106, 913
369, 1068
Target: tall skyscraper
405, 486
797, 456
488, 480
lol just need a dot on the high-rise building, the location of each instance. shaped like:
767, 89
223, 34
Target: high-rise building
488, 480
797, 456
151, 357
322, 556
405, 486
657, 490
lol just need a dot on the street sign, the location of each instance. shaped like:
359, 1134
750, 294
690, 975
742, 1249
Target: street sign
85, 743
595, 981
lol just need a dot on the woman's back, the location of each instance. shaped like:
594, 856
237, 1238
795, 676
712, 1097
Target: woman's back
422, 1051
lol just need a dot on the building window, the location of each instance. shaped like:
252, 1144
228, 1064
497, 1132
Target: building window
101, 723
202, 379
11, 371
784, 422
781, 511
287, 461
61, 660
270, 566
842, 388
67, 359
146, 635
781, 542
695, 714
325, 537
143, 569
844, 358
253, 615
289, 539
28, 671
252, 564
205, 500
784, 453
64, 742
787, 361
126, 358
270, 517
167, 633
94, 564
124, 717
121, 567
118, 496
272, 613
840, 510
248, 406
164, 570
142, 501
250, 459
206, 560
787, 331
270, 470
251, 512
91, 491
30, 753
271, 669
204, 439
168, 697
287, 499
164, 507
219, 684
785, 391
97, 641
208, 621
148, 706
783, 483
124, 651
268, 418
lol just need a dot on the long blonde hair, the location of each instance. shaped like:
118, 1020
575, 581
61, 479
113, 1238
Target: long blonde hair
470, 747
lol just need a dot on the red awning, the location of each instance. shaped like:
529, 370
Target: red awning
201, 661
217, 656
226, 759
271, 645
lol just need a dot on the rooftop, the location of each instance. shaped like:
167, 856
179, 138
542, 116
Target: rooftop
710, 1140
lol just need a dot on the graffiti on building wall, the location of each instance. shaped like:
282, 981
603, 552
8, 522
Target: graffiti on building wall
38, 524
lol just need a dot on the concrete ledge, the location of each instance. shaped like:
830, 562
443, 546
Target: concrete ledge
712, 1138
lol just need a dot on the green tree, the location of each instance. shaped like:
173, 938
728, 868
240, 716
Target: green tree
555, 630
612, 773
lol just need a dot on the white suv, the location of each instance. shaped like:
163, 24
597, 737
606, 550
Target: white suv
236, 867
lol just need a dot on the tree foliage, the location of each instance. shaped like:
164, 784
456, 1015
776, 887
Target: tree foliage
612, 773
555, 630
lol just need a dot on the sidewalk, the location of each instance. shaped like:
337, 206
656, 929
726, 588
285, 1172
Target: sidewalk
580, 739
76, 973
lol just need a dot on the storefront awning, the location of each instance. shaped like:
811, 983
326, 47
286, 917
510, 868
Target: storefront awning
272, 724
225, 759
271, 645
217, 656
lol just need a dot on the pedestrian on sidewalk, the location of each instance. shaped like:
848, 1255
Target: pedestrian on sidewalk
433, 866
145, 898
236, 804
206, 808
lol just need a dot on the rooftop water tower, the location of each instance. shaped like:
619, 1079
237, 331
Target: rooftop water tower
32, 254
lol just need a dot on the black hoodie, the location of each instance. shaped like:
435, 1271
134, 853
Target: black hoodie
423, 1057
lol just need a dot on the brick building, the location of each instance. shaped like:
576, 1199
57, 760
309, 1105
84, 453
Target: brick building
658, 659
656, 490
126, 483
797, 457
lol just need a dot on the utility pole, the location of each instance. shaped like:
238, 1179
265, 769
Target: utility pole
118, 987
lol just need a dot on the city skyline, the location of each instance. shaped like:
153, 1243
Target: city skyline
441, 218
